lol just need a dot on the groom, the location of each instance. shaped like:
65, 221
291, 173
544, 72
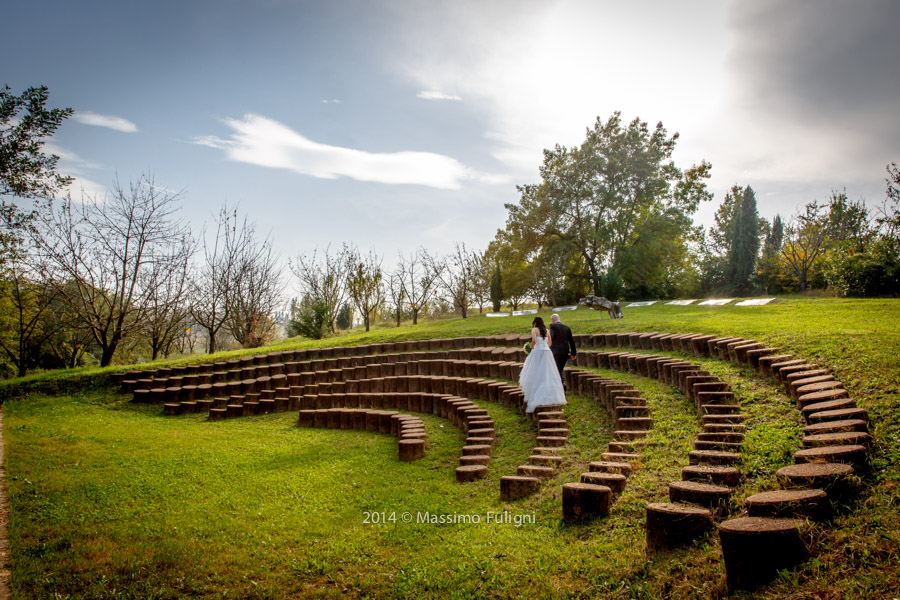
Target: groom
563, 345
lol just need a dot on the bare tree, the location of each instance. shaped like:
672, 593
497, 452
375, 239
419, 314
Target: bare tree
804, 241
323, 278
419, 273
255, 291
482, 272
456, 275
396, 294
213, 281
167, 308
104, 247
365, 284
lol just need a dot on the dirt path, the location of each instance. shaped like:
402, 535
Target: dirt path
5, 591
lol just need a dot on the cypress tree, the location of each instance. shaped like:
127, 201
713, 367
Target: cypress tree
744, 246
496, 289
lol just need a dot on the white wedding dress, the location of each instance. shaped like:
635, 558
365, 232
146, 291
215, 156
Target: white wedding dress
539, 378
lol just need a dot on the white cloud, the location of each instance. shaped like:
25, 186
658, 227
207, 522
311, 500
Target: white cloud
436, 95
261, 141
332, 101
108, 121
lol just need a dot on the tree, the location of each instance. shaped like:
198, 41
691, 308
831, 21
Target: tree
804, 240
365, 285
24, 327
324, 278
309, 318
596, 195
456, 274
496, 288
213, 282
255, 289
509, 252
397, 293
769, 272
481, 281
101, 251
25, 171
167, 309
848, 222
418, 274
744, 247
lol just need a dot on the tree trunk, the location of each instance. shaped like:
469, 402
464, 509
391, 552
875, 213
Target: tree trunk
415, 317
212, 343
106, 356
366, 319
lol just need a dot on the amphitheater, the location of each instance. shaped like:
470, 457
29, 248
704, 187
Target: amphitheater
380, 388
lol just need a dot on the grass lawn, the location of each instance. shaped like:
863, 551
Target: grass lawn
112, 500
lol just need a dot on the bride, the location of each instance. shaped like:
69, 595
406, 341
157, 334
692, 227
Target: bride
539, 378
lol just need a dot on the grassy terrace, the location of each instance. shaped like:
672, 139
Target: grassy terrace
112, 500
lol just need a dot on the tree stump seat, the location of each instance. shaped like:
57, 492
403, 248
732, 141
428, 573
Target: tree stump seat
713, 457
756, 548
715, 474
465, 473
614, 481
708, 495
670, 525
514, 487
585, 501
794, 503
604, 466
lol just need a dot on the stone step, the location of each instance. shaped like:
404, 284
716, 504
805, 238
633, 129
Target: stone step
715, 419
796, 503
717, 445
585, 501
470, 472
791, 378
716, 474
413, 449
479, 449
671, 525
837, 479
539, 471
708, 495
724, 427
836, 427
824, 396
604, 466
552, 423
842, 414
720, 409
551, 415
723, 436
544, 461
620, 457
636, 434
614, 481
755, 549
627, 447
634, 424
851, 454
551, 441
513, 487
838, 439
798, 387
766, 362
555, 432
713, 457
475, 459
839, 404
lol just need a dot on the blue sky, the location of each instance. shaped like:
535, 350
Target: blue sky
395, 124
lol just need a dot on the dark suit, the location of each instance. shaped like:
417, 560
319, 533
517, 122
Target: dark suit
563, 345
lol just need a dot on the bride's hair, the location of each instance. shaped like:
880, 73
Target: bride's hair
539, 323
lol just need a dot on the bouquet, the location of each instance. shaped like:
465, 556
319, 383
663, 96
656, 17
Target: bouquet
527, 348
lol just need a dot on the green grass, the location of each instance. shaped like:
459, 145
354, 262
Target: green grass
112, 500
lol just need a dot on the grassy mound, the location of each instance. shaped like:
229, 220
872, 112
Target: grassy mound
111, 499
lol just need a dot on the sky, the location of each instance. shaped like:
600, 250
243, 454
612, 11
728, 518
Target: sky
399, 124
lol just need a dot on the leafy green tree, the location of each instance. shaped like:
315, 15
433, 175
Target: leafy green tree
365, 285
344, 319
744, 246
496, 288
309, 318
804, 241
769, 273
596, 195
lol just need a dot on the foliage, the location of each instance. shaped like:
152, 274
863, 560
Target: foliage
106, 257
323, 277
744, 246
25, 123
874, 271
598, 195
496, 288
612, 286
344, 319
365, 285
309, 318
804, 241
